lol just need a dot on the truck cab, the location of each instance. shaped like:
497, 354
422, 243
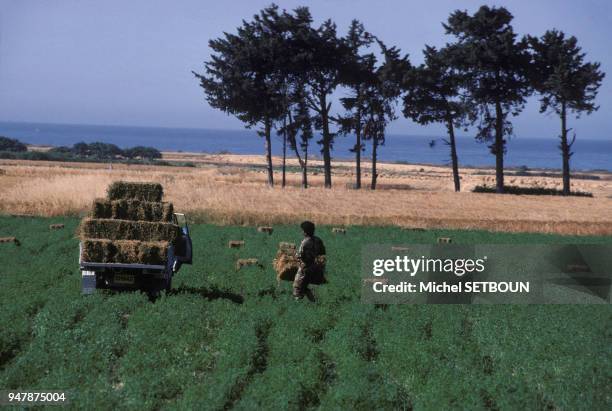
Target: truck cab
183, 250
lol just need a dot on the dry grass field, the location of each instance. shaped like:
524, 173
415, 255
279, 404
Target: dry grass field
230, 189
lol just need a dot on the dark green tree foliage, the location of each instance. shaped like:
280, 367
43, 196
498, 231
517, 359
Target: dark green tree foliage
96, 150
81, 149
11, 144
433, 95
147, 153
296, 29
380, 100
359, 75
242, 76
105, 151
496, 67
300, 123
324, 59
566, 84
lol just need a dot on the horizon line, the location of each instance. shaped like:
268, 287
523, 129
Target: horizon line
253, 129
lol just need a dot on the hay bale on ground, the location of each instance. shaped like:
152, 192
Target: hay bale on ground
10, 240
102, 228
265, 229
235, 243
125, 251
56, 226
243, 262
137, 210
337, 230
123, 190
396, 248
369, 282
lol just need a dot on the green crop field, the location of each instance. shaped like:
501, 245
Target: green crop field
224, 339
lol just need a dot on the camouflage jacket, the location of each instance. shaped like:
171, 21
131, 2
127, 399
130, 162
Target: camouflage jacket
310, 248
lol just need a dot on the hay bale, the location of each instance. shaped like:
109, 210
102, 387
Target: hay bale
287, 247
243, 262
97, 251
369, 282
444, 240
102, 228
235, 244
395, 248
136, 210
56, 226
337, 230
419, 229
10, 240
102, 208
286, 265
265, 229
124, 190
125, 251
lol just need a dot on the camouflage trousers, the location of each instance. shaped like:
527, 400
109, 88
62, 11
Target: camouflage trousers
300, 283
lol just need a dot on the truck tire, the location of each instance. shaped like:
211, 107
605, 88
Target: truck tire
159, 286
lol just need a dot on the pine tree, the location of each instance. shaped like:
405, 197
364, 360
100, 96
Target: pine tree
496, 67
566, 84
433, 95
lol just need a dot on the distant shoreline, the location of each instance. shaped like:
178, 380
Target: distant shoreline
532, 152
341, 160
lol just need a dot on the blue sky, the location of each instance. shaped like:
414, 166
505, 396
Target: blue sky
130, 62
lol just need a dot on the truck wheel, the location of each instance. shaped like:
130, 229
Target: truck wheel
158, 287
168, 284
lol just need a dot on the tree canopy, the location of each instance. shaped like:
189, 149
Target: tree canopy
280, 71
11, 144
496, 68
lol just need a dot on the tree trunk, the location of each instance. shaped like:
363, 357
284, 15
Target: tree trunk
326, 141
305, 168
374, 172
499, 148
358, 155
284, 153
565, 151
303, 163
358, 144
267, 132
453, 147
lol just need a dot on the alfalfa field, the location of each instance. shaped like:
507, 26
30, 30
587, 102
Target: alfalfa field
227, 339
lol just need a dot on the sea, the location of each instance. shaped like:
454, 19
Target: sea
528, 152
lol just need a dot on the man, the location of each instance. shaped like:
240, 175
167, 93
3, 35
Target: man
310, 248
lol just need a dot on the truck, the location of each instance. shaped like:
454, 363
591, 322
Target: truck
152, 279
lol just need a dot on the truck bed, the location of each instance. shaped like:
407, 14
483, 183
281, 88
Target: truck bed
92, 264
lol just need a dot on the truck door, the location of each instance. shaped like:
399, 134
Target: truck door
183, 249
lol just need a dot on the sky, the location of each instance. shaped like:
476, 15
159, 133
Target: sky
129, 62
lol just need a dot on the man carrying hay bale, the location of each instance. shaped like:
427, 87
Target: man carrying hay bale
312, 266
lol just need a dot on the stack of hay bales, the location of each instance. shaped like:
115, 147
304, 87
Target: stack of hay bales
131, 226
286, 264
